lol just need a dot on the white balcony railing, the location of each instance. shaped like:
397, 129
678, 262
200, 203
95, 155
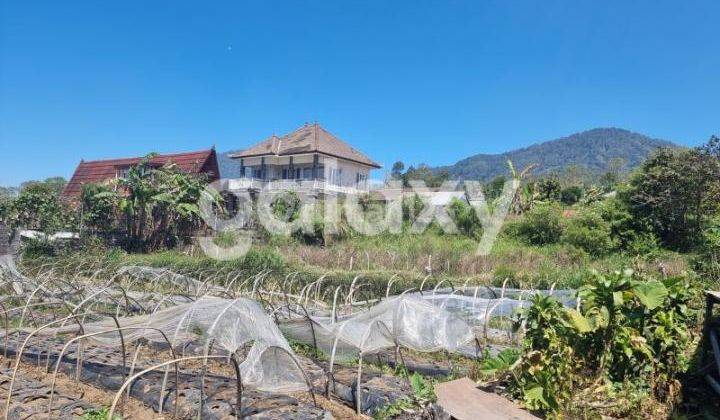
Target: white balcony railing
301, 185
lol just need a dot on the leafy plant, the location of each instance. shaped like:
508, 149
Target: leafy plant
629, 329
423, 390
493, 366
423, 394
549, 189
38, 207
159, 205
677, 192
541, 225
588, 231
571, 195
546, 371
99, 414
465, 218
98, 204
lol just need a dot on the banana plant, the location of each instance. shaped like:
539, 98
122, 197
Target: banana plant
525, 194
160, 204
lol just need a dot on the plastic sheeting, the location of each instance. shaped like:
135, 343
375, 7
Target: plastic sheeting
486, 302
270, 364
401, 321
9, 272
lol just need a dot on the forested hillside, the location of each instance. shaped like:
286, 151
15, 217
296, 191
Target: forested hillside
593, 150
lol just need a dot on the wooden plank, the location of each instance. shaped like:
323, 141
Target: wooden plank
463, 401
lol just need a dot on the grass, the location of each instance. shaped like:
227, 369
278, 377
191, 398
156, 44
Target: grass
99, 414
453, 257
408, 259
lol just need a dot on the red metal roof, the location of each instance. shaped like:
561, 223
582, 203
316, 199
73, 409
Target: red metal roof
96, 171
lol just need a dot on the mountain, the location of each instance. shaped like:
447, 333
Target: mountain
593, 150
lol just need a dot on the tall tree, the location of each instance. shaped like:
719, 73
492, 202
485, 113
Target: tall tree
37, 207
677, 192
397, 170
614, 173
56, 184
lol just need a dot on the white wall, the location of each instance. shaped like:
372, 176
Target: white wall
348, 170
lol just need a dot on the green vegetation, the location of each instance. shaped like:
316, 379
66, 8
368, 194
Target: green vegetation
630, 331
639, 249
589, 232
677, 192
37, 207
431, 178
494, 366
423, 394
99, 414
541, 226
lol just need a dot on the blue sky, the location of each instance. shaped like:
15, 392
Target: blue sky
418, 81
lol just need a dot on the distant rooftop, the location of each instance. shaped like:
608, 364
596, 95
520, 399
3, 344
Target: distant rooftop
95, 171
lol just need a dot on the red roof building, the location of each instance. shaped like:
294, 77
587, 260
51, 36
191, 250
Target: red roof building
98, 171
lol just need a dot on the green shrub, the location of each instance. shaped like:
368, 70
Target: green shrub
548, 189
541, 225
571, 195
286, 206
503, 273
225, 239
38, 207
494, 188
313, 236
411, 208
643, 243
589, 232
263, 259
707, 261
98, 207
495, 366
38, 248
465, 218
631, 234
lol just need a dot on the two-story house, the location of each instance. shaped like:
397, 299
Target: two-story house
308, 160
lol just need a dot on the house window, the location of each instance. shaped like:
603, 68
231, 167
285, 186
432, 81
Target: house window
361, 178
336, 176
122, 172
284, 173
307, 173
298, 173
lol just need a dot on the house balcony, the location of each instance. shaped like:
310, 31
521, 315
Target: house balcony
299, 185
